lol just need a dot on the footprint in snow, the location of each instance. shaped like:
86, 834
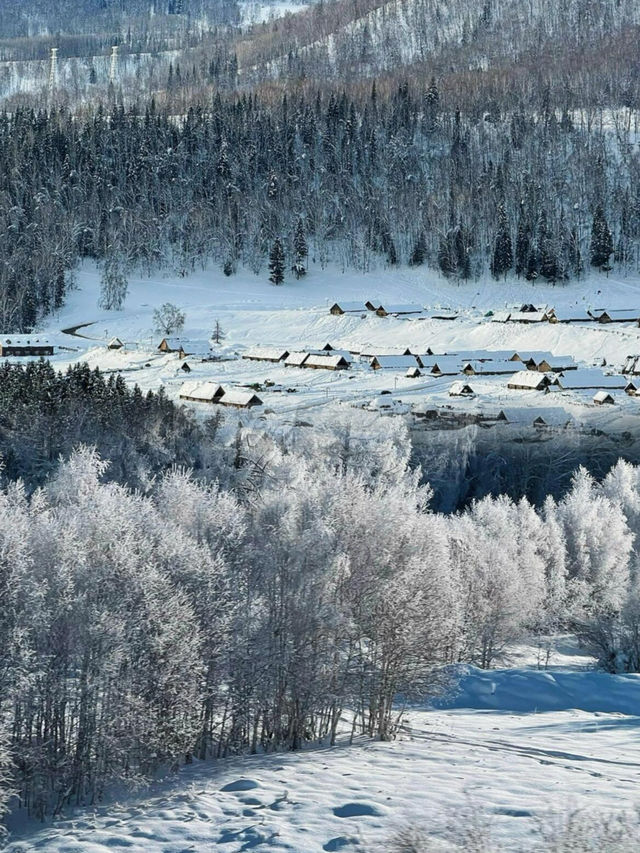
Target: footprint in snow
240, 785
339, 843
356, 810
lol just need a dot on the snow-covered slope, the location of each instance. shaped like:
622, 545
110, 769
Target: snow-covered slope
487, 749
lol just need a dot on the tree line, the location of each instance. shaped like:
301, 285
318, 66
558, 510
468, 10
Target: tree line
358, 180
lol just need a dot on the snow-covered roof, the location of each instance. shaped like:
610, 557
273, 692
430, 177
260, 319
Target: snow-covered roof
347, 307
461, 389
529, 379
590, 378
619, 315
370, 352
239, 397
528, 317
444, 365
489, 368
500, 316
115, 343
557, 362
198, 390
296, 359
412, 372
395, 362
572, 315
602, 397
328, 361
175, 344
535, 416
266, 354
483, 355
409, 308
24, 341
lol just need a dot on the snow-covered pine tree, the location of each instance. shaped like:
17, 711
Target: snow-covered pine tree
300, 251
276, 262
502, 259
601, 239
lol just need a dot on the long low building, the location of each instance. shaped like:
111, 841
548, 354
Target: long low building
395, 362
326, 362
272, 354
589, 379
489, 368
25, 346
530, 380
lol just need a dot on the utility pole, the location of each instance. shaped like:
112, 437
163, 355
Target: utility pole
53, 71
114, 63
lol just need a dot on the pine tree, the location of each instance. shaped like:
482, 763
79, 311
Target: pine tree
502, 259
601, 240
522, 245
300, 251
218, 335
276, 263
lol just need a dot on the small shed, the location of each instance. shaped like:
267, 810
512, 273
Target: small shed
631, 388
461, 389
602, 398
529, 380
413, 373
115, 343
184, 367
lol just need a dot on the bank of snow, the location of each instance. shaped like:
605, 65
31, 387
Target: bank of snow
515, 744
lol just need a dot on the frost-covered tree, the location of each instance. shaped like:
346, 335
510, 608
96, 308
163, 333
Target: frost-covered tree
168, 319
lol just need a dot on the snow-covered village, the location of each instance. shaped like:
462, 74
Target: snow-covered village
319, 426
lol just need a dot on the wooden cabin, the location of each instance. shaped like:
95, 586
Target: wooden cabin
239, 399
603, 398
590, 378
326, 362
115, 343
339, 308
23, 346
528, 380
184, 367
461, 389
395, 362
413, 373
201, 392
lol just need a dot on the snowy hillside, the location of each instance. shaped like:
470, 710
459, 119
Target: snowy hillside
513, 746
296, 316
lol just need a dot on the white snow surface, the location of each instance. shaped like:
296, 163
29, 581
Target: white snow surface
295, 316
516, 744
